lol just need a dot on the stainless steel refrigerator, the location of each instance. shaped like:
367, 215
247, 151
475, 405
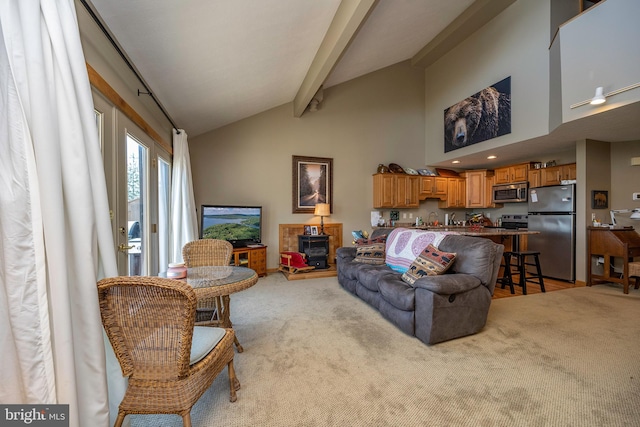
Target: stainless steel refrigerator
552, 212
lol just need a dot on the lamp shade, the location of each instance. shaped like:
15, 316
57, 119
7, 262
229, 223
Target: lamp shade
599, 98
322, 209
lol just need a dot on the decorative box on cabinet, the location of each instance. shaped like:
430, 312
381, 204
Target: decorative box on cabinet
253, 258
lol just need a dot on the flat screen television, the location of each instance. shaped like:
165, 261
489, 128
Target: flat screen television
240, 225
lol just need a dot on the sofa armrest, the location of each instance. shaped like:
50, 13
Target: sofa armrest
346, 253
448, 284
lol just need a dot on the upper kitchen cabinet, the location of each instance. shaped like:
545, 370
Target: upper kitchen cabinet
456, 194
512, 173
395, 191
433, 187
478, 188
556, 174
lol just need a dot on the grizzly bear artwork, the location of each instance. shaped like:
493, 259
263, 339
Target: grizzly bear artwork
480, 117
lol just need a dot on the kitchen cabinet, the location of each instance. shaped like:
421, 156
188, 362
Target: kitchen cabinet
512, 173
555, 174
395, 191
433, 187
478, 185
456, 194
535, 178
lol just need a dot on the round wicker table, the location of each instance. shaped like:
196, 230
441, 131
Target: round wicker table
220, 282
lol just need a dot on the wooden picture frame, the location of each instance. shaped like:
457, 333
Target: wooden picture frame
314, 230
312, 183
599, 199
307, 230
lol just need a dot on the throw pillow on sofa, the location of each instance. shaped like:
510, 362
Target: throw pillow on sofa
430, 262
372, 253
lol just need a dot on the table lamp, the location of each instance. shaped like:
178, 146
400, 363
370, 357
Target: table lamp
635, 214
322, 210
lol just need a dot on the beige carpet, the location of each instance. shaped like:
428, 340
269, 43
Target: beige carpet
317, 356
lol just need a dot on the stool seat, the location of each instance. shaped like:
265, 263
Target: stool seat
522, 260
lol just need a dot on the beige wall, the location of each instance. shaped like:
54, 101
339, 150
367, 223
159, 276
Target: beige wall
377, 118
515, 44
625, 179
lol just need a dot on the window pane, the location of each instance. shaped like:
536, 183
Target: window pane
164, 200
137, 212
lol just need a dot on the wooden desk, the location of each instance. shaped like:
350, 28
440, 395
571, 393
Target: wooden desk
610, 243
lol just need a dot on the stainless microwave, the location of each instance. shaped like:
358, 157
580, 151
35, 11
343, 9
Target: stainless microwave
510, 193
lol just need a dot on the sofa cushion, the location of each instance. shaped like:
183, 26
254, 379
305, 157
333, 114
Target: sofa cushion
372, 253
369, 275
430, 262
396, 292
476, 256
404, 245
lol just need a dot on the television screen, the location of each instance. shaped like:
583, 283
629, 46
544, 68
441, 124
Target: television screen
239, 225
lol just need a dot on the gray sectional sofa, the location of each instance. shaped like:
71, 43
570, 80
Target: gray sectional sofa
434, 308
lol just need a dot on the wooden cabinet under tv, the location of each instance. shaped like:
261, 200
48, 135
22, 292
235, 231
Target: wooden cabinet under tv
253, 258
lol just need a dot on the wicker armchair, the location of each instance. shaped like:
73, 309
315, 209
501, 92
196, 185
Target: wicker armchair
169, 362
202, 253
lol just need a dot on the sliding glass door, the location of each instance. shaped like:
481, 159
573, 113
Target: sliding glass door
138, 173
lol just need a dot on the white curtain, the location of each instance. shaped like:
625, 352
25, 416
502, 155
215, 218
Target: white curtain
55, 232
184, 223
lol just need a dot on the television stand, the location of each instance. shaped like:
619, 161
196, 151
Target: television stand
254, 258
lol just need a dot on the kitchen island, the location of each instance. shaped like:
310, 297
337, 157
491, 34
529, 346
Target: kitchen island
511, 239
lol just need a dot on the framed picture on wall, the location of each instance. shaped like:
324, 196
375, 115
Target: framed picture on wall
599, 199
312, 183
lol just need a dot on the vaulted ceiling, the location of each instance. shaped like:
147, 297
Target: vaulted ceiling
213, 62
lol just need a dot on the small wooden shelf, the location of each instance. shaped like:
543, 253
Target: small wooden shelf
253, 258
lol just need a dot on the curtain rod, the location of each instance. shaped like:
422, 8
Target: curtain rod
104, 30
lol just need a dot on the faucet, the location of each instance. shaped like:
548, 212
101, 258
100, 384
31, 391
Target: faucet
429, 217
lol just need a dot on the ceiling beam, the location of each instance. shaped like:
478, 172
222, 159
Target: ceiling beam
348, 18
470, 21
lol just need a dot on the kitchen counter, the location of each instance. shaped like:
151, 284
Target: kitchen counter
510, 238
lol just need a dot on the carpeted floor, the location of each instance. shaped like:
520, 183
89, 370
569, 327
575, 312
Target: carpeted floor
317, 356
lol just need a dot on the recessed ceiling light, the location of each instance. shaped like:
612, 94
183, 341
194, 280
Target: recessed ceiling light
492, 157
456, 161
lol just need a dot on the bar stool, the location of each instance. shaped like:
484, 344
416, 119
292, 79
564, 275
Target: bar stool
523, 259
507, 277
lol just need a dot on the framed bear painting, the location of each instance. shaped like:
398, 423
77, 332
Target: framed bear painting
482, 116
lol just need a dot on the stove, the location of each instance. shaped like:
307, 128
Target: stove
515, 222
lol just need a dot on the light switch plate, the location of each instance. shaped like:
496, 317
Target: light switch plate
636, 196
